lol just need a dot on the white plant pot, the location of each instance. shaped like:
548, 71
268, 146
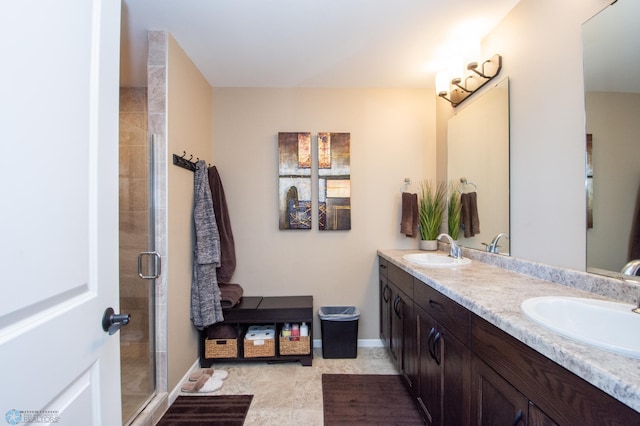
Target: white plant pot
428, 245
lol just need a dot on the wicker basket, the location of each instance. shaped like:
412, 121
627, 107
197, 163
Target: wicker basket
221, 348
295, 347
259, 348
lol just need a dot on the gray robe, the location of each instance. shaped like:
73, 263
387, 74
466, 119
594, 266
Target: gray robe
205, 293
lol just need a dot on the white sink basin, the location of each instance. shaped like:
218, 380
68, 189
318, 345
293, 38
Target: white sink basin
435, 260
607, 325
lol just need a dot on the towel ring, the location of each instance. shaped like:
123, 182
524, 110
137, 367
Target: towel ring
464, 182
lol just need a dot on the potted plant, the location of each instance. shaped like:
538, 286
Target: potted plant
454, 211
431, 208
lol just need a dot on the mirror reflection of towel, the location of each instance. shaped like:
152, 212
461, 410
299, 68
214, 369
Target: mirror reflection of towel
469, 214
409, 222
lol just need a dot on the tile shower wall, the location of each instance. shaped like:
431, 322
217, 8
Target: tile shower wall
134, 216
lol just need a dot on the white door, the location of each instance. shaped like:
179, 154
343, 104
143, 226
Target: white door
59, 78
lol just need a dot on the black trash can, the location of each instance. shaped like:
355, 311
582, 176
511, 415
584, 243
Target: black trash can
339, 329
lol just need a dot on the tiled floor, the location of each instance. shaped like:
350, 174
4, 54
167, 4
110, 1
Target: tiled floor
290, 394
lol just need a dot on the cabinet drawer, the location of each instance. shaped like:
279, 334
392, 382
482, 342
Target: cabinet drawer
444, 310
383, 266
401, 279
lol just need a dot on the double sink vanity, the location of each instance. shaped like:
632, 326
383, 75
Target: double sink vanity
491, 339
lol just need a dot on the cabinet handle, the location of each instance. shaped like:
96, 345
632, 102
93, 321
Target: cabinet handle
436, 305
383, 266
385, 293
396, 302
436, 355
432, 333
518, 418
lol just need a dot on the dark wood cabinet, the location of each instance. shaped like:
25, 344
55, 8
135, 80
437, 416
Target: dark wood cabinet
405, 315
444, 360
495, 401
556, 394
396, 291
463, 370
386, 303
429, 392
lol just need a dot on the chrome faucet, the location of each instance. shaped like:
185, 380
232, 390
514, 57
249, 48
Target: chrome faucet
493, 247
454, 249
632, 268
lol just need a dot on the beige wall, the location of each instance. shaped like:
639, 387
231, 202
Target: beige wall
392, 137
189, 129
541, 45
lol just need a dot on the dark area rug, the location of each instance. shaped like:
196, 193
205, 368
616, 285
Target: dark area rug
367, 399
227, 410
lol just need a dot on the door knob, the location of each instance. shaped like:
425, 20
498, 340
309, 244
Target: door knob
111, 322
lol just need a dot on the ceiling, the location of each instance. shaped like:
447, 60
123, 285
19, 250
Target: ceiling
307, 43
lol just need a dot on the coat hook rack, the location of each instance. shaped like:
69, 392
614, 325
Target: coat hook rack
181, 161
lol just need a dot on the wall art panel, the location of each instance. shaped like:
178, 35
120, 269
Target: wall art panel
334, 181
294, 180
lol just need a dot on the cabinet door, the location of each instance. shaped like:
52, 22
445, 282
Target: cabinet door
385, 311
538, 418
408, 350
444, 374
494, 401
429, 388
395, 338
455, 363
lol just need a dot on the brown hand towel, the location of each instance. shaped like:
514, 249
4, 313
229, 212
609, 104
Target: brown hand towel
475, 220
409, 223
222, 331
227, 247
469, 214
230, 294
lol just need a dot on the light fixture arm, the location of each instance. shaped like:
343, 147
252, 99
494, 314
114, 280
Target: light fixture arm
456, 82
443, 95
473, 66
458, 91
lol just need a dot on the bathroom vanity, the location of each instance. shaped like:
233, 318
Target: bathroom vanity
468, 355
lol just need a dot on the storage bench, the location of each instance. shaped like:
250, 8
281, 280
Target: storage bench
257, 310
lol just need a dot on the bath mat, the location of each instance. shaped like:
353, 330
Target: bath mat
367, 399
222, 410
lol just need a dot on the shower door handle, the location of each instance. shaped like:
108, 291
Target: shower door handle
156, 265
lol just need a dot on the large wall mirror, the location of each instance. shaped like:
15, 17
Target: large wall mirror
612, 102
478, 151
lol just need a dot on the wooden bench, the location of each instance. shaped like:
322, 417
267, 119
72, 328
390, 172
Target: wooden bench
274, 311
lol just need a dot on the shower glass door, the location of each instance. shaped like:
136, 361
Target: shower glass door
137, 266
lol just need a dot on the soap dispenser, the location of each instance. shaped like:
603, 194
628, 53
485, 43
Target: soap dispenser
304, 329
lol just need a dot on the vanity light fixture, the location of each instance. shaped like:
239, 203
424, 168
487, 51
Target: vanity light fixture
460, 88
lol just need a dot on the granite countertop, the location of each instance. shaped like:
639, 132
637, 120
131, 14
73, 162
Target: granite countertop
495, 294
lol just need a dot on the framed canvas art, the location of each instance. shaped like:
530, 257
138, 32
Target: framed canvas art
334, 181
294, 180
